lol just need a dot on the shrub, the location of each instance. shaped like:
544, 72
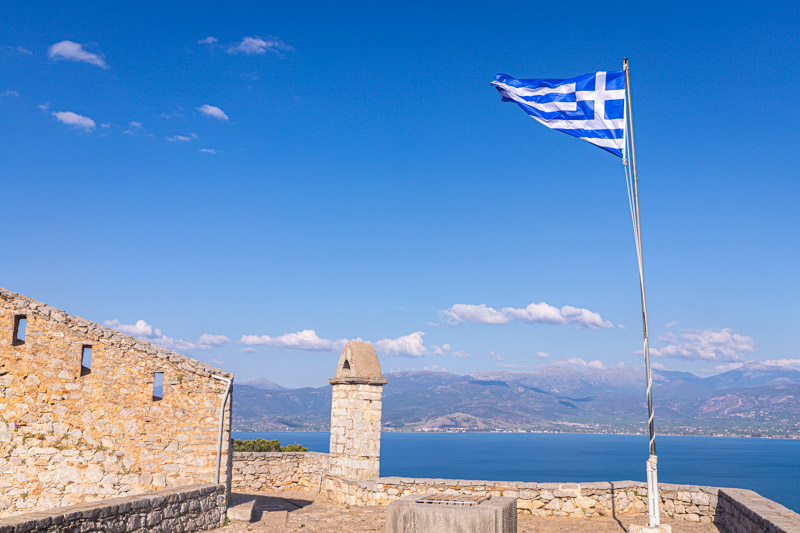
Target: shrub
261, 445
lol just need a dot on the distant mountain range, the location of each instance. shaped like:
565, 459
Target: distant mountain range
755, 399
263, 383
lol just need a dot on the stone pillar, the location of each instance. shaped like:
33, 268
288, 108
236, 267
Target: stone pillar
355, 449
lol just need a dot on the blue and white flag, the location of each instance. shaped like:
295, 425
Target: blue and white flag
590, 107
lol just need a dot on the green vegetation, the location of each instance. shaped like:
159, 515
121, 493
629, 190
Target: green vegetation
261, 445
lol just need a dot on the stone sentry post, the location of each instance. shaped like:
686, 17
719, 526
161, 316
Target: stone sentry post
355, 448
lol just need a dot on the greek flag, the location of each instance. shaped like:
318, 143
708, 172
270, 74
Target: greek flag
590, 107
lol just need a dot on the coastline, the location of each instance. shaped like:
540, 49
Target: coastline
642, 434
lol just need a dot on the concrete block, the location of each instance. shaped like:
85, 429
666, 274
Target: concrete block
242, 507
495, 515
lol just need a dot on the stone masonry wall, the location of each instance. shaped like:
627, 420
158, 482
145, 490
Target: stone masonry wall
195, 508
253, 471
688, 502
745, 511
355, 448
287, 471
69, 437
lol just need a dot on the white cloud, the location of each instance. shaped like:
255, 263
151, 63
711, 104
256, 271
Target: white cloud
621, 326
139, 329
208, 40
134, 128
581, 363
182, 138
481, 314
496, 356
658, 366
545, 313
44, 107
705, 344
670, 324
207, 339
786, 363
410, 345
248, 349
147, 332
444, 350
541, 313
208, 151
440, 350
70, 51
25, 51
257, 45
725, 367
306, 340
74, 119
9, 93
174, 114
541, 355
213, 111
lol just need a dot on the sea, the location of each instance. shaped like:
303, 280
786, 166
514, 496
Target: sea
770, 467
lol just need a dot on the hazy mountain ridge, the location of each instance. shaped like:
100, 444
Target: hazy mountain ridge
263, 383
753, 399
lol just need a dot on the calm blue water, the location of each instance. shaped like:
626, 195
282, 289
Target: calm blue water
770, 467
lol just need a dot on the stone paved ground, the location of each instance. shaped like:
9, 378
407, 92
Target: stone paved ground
307, 512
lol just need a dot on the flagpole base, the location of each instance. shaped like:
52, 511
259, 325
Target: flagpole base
663, 528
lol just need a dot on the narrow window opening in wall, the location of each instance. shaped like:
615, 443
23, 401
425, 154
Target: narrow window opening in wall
346, 365
20, 325
86, 360
158, 386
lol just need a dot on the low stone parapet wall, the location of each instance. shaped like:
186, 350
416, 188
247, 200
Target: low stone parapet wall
254, 471
580, 500
745, 511
185, 509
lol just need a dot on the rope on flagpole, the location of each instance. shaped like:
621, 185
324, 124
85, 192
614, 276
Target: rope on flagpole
633, 202
636, 238
637, 242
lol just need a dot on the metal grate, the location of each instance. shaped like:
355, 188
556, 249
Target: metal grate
452, 499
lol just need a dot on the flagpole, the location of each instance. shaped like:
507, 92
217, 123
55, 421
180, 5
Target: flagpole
652, 471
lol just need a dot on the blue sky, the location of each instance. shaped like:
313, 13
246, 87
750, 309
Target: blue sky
251, 185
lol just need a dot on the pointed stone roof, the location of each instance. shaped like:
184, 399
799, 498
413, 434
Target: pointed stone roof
358, 364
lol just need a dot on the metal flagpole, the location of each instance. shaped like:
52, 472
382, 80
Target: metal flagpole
652, 472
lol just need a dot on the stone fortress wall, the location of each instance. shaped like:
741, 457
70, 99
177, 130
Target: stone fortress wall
71, 433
